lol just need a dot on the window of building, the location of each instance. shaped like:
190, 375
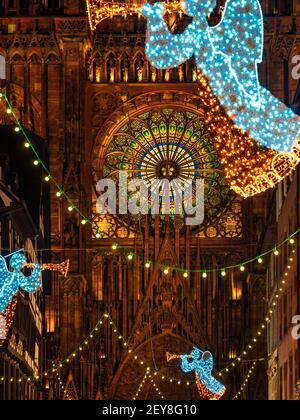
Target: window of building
23, 7
285, 7
53, 4
17, 7
11, 28
236, 288
12, 7
2, 68
98, 281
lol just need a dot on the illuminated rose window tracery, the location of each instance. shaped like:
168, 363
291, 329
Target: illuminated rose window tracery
171, 144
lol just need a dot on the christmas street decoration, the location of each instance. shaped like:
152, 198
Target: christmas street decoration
202, 363
12, 281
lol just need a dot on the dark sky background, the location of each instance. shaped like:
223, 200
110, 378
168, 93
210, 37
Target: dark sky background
29, 176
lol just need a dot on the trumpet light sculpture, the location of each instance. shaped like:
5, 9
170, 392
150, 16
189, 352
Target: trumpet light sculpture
202, 364
12, 281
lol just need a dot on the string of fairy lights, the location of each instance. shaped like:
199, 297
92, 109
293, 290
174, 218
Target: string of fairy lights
246, 381
152, 382
267, 319
106, 316
259, 259
244, 354
61, 194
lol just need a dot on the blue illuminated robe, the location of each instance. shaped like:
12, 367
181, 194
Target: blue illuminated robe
203, 366
11, 281
228, 54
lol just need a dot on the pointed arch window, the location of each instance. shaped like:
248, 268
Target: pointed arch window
53, 4
17, 7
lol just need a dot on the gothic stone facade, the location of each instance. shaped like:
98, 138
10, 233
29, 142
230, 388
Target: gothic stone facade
78, 90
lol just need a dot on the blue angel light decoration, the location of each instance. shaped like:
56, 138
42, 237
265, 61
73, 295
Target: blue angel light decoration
11, 281
201, 362
228, 54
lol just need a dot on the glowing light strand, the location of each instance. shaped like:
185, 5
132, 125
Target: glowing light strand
263, 325
56, 367
148, 377
246, 381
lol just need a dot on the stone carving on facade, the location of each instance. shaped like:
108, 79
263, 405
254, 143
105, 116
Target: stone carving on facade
73, 26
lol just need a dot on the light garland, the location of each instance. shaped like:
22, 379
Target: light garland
228, 55
55, 369
71, 357
247, 379
140, 388
105, 317
29, 145
263, 326
10, 282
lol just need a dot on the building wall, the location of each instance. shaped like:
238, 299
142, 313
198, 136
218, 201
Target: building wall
67, 85
21, 346
283, 348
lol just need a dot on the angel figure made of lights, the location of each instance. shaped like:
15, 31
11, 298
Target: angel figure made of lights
228, 54
12, 281
202, 363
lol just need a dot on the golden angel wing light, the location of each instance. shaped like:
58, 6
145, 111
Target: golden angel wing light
99, 10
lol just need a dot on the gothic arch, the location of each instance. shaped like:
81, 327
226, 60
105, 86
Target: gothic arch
52, 57
35, 57
127, 378
16, 96
16, 57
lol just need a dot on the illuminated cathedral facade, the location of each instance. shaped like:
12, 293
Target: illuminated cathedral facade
100, 107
